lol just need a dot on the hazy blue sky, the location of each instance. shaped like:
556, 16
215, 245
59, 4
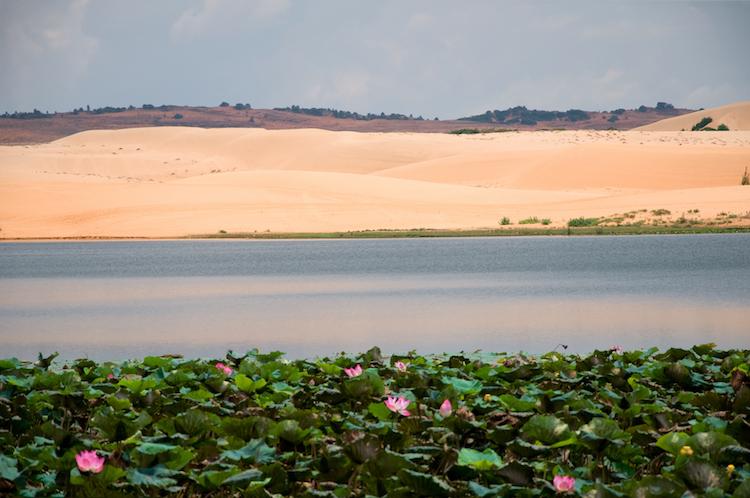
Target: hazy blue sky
435, 58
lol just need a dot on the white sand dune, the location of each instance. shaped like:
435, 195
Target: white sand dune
163, 182
736, 116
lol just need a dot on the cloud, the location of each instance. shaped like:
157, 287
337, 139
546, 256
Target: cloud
213, 16
44, 49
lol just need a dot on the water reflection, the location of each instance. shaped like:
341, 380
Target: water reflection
323, 314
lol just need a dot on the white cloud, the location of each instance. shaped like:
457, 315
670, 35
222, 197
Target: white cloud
222, 15
44, 49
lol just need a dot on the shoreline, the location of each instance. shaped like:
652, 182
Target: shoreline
410, 233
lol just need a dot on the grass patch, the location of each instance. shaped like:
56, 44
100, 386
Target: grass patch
529, 221
661, 212
477, 131
634, 228
583, 222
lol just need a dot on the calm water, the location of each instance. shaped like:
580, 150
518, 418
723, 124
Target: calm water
113, 300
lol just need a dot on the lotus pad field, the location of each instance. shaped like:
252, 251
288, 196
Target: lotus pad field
607, 424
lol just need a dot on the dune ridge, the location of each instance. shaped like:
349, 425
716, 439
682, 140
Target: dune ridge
736, 116
168, 182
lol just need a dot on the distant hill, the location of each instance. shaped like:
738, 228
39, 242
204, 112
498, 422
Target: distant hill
521, 116
38, 127
733, 117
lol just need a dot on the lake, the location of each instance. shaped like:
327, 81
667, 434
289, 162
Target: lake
117, 300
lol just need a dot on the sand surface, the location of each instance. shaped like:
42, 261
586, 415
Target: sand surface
175, 181
736, 116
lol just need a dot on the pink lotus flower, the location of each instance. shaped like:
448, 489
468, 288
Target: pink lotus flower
446, 408
564, 484
224, 368
400, 366
355, 371
89, 461
398, 405
616, 349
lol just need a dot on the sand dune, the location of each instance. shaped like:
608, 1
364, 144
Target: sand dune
162, 182
736, 116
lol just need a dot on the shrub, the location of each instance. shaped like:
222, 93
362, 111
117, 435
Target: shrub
745, 179
723, 127
178, 116
529, 221
505, 221
546, 221
224, 104
660, 212
702, 124
583, 222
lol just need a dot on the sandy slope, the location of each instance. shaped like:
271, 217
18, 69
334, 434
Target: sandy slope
736, 116
174, 181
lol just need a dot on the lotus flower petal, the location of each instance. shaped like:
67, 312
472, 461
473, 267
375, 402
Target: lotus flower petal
564, 484
89, 461
446, 408
355, 371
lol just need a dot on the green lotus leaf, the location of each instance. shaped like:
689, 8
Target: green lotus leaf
742, 400
9, 364
154, 448
248, 385
673, 441
246, 477
367, 385
479, 460
136, 384
657, 487
464, 386
379, 410
290, 430
603, 429
157, 477
195, 422
743, 490
198, 395
212, 479
421, 484
514, 404
8, 468
547, 429
158, 362
364, 448
528, 450
710, 443
178, 458
701, 475
517, 473
387, 463
256, 451
488, 492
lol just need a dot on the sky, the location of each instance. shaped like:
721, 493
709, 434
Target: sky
425, 57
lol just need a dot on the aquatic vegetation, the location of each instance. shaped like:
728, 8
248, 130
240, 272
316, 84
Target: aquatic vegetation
606, 424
